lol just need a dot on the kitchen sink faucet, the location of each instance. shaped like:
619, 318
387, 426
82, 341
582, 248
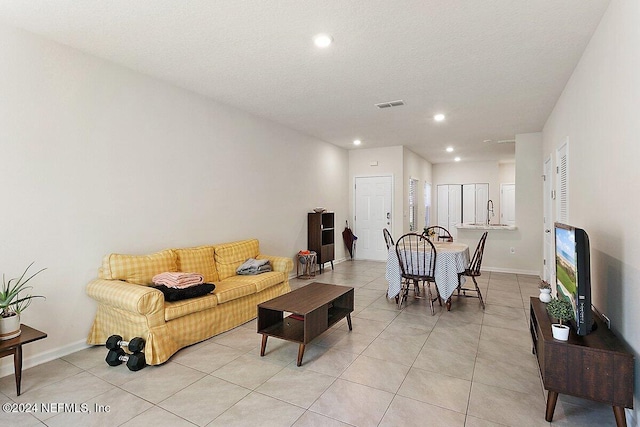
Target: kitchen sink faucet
489, 210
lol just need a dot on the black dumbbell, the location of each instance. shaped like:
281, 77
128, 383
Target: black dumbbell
135, 361
116, 341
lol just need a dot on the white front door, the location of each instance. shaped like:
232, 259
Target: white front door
372, 214
547, 200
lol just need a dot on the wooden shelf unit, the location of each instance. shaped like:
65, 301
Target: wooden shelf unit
597, 366
321, 237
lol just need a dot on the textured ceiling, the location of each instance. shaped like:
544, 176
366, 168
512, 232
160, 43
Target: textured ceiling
494, 67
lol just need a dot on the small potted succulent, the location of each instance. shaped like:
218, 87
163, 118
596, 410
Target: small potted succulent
14, 299
562, 310
545, 291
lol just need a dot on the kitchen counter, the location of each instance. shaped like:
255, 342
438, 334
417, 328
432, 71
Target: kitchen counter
477, 226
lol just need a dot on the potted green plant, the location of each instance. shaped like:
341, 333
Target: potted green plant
562, 310
545, 291
14, 299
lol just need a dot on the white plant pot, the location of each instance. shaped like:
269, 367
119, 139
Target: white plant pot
545, 295
560, 332
9, 327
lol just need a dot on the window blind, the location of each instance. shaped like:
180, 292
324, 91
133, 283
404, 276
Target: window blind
413, 206
563, 184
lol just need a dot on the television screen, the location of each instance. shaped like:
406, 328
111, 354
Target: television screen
573, 276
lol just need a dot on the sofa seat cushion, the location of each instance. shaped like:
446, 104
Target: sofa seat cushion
230, 289
260, 281
230, 256
198, 260
138, 269
174, 310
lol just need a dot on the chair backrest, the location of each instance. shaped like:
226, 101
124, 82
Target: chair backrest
441, 233
476, 261
417, 256
387, 238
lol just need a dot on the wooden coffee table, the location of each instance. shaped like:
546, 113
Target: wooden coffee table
315, 308
14, 346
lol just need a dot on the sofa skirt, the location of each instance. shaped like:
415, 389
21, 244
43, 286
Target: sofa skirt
166, 338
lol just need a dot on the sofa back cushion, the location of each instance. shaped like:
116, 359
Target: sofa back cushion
230, 256
198, 260
138, 269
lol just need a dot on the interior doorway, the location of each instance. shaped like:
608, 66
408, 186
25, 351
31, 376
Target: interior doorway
372, 207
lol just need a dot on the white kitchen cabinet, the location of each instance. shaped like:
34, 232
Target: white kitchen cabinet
450, 207
508, 204
482, 197
462, 203
469, 203
474, 203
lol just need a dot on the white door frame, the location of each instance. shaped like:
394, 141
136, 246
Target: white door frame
548, 234
392, 204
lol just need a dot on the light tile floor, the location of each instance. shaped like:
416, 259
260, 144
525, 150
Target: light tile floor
466, 367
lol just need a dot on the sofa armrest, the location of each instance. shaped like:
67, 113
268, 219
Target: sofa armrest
279, 263
130, 297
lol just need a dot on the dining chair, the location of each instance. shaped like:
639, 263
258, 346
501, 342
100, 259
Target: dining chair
417, 258
440, 233
473, 271
387, 238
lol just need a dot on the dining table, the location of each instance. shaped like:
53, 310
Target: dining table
452, 258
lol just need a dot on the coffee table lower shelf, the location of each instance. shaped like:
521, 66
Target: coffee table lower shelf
315, 307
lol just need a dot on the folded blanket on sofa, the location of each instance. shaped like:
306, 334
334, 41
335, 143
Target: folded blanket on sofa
173, 294
254, 266
178, 280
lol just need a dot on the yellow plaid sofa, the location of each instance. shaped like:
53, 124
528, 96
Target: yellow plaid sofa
127, 306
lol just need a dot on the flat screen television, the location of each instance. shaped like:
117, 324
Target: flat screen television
573, 274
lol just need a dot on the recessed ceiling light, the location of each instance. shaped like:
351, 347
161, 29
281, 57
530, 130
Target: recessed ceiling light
322, 40
487, 140
438, 117
449, 149
357, 142
457, 159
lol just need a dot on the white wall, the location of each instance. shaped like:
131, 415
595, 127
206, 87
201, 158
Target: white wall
529, 219
598, 112
507, 173
98, 159
526, 240
469, 173
417, 168
402, 164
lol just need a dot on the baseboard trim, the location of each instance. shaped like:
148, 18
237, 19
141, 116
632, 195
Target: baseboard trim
512, 270
630, 416
293, 275
6, 364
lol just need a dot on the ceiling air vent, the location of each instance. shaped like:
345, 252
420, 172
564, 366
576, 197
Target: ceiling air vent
389, 104
506, 141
